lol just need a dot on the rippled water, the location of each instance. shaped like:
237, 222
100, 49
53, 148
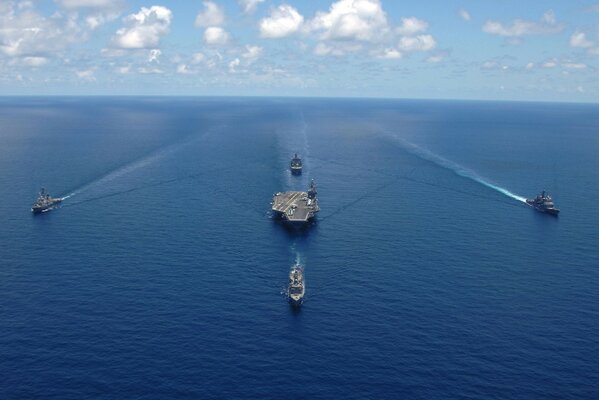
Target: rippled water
161, 276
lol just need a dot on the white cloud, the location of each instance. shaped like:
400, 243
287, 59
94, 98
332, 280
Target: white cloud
86, 75
215, 35
27, 33
233, 65
411, 26
213, 15
322, 49
530, 66
249, 6
391, 54
573, 65
550, 63
465, 15
35, 61
89, 3
144, 29
198, 58
183, 69
125, 69
94, 21
548, 24
578, 39
435, 59
154, 56
362, 20
252, 53
490, 65
144, 70
283, 21
417, 43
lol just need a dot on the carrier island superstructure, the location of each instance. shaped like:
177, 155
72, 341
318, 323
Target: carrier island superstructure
296, 207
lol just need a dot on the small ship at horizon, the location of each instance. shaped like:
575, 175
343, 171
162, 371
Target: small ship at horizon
44, 202
543, 203
296, 208
296, 165
297, 287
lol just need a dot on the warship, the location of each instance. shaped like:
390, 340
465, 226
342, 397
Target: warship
296, 208
543, 203
297, 287
296, 165
44, 202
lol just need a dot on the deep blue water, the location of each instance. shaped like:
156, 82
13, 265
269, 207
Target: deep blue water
162, 275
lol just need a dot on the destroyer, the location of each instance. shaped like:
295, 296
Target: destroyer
297, 286
543, 203
44, 202
296, 165
296, 207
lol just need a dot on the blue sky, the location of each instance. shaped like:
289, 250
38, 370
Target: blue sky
480, 49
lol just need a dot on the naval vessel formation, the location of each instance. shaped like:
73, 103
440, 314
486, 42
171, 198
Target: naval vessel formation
297, 209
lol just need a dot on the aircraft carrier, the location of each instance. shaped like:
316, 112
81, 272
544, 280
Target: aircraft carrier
296, 207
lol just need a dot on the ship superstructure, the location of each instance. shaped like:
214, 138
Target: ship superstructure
297, 287
44, 202
544, 203
296, 165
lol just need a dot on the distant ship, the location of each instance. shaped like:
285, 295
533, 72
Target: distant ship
544, 203
296, 208
296, 165
44, 202
297, 287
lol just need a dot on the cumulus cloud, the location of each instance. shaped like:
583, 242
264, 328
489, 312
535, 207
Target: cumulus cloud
411, 26
212, 15
362, 20
417, 43
547, 24
233, 65
579, 39
283, 21
24, 32
252, 53
390, 54
215, 35
249, 6
144, 29
154, 56
465, 15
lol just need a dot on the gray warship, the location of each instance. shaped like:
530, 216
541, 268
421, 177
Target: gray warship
44, 202
297, 286
296, 208
296, 165
543, 203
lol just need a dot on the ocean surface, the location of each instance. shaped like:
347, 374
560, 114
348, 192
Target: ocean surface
163, 273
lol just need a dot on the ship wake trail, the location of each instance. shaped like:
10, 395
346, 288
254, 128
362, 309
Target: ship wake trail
454, 167
138, 164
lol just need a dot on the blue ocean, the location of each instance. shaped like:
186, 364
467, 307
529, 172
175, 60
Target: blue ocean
163, 273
